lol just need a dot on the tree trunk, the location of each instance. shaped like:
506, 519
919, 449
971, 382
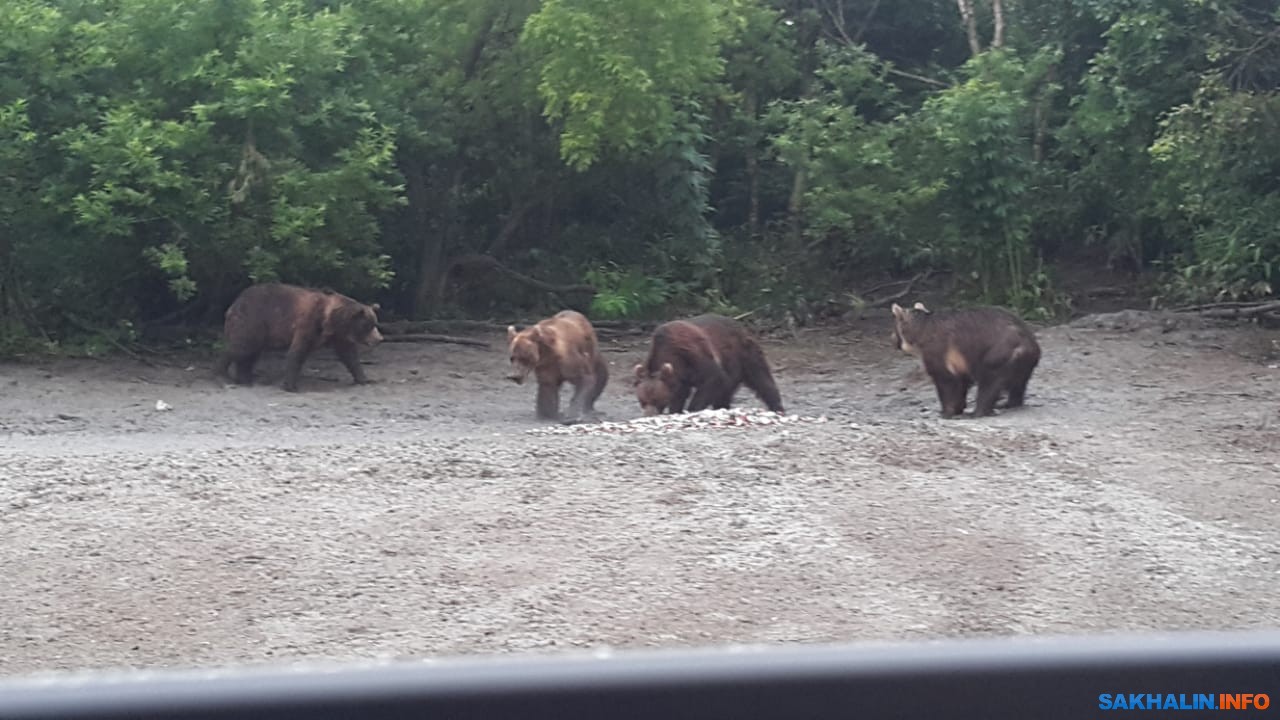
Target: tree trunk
515, 220
794, 207
1042, 116
997, 9
753, 171
433, 270
970, 25
430, 240
8, 301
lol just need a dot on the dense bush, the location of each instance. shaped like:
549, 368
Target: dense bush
493, 156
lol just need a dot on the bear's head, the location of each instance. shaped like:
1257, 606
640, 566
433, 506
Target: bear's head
907, 327
525, 351
654, 390
353, 322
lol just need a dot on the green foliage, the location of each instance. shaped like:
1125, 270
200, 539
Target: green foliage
862, 196
159, 155
977, 140
626, 293
1217, 168
612, 71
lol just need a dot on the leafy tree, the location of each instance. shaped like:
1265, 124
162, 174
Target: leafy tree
630, 157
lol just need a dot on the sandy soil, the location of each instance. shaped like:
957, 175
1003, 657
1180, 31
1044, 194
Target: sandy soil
416, 516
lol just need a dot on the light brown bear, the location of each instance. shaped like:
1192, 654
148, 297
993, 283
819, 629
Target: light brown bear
560, 349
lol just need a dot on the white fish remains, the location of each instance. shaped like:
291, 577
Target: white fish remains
663, 424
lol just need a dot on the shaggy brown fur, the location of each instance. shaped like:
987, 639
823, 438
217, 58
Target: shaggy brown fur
987, 346
273, 316
711, 353
560, 349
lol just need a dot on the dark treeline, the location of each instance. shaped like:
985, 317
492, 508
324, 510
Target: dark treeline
626, 157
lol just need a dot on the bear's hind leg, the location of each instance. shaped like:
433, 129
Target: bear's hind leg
761, 383
1020, 375
244, 369
222, 365
600, 378
988, 393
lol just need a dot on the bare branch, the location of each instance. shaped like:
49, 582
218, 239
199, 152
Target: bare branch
890, 299
921, 78
836, 15
866, 21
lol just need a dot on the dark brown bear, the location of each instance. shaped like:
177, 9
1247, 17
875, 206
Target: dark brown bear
273, 316
711, 353
987, 346
561, 349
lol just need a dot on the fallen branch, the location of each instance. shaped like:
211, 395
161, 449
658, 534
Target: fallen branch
428, 337
884, 286
1106, 292
407, 327
1187, 393
631, 332
1234, 309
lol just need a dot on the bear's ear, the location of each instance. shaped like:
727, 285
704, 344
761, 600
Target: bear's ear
920, 306
375, 307
641, 373
666, 372
511, 333
898, 312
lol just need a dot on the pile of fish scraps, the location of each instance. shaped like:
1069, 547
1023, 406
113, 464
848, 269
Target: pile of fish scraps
682, 422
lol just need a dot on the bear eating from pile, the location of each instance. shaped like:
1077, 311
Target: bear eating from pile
987, 346
711, 353
562, 348
299, 320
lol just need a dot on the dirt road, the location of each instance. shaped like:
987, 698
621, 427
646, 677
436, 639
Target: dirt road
1138, 491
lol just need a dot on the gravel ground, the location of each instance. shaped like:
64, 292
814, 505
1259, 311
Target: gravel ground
426, 515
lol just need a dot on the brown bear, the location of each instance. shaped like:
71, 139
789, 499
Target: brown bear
988, 346
711, 353
274, 316
562, 348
